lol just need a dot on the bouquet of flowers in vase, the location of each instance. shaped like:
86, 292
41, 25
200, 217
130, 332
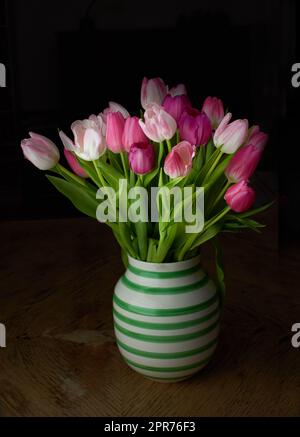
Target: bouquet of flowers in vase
144, 174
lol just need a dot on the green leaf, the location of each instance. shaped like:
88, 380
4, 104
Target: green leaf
251, 212
81, 198
219, 268
110, 173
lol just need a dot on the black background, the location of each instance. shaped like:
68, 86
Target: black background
65, 59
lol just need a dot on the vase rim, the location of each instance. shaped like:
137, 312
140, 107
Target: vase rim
169, 266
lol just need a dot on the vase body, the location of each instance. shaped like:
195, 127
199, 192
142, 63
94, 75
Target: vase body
166, 318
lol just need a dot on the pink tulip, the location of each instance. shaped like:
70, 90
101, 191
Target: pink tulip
257, 138
114, 131
115, 107
243, 163
141, 158
178, 90
158, 124
132, 133
89, 141
179, 161
176, 105
194, 127
213, 108
240, 197
229, 137
40, 151
73, 163
153, 91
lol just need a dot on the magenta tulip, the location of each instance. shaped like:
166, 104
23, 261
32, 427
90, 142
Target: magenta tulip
178, 90
240, 197
230, 136
40, 151
179, 161
158, 125
243, 163
141, 158
153, 91
213, 108
74, 165
132, 133
194, 127
176, 105
115, 123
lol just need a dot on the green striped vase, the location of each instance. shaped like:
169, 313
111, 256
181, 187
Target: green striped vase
166, 318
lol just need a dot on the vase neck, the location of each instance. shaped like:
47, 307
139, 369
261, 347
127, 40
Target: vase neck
177, 266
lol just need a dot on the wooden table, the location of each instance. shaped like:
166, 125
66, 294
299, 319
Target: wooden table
57, 279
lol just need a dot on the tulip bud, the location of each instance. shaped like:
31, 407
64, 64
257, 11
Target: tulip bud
132, 133
243, 164
176, 105
179, 161
40, 151
141, 158
213, 108
240, 197
153, 91
194, 127
114, 131
89, 141
73, 163
229, 137
178, 90
158, 124
257, 138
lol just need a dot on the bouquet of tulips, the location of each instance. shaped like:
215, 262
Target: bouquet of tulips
169, 144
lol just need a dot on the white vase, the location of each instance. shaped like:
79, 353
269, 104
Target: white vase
166, 318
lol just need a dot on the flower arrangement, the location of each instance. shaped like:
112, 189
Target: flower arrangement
168, 144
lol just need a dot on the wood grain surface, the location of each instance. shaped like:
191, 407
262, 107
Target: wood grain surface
57, 279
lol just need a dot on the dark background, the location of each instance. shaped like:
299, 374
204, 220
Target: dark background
65, 59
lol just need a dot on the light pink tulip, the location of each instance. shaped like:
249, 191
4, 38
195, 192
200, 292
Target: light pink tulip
132, 133
243, 164
178, 90
141, 158
176, 105
240, 197
179, 161
73, 163
153, 91
40, 151
257, 138
114, 131
213, 108
158, 125
230, 136
89, 141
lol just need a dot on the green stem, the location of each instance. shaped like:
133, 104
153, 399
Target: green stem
213, 166
99, 174
177, 136
220, 196
169, 144
217, 218
61, 170
124, 164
